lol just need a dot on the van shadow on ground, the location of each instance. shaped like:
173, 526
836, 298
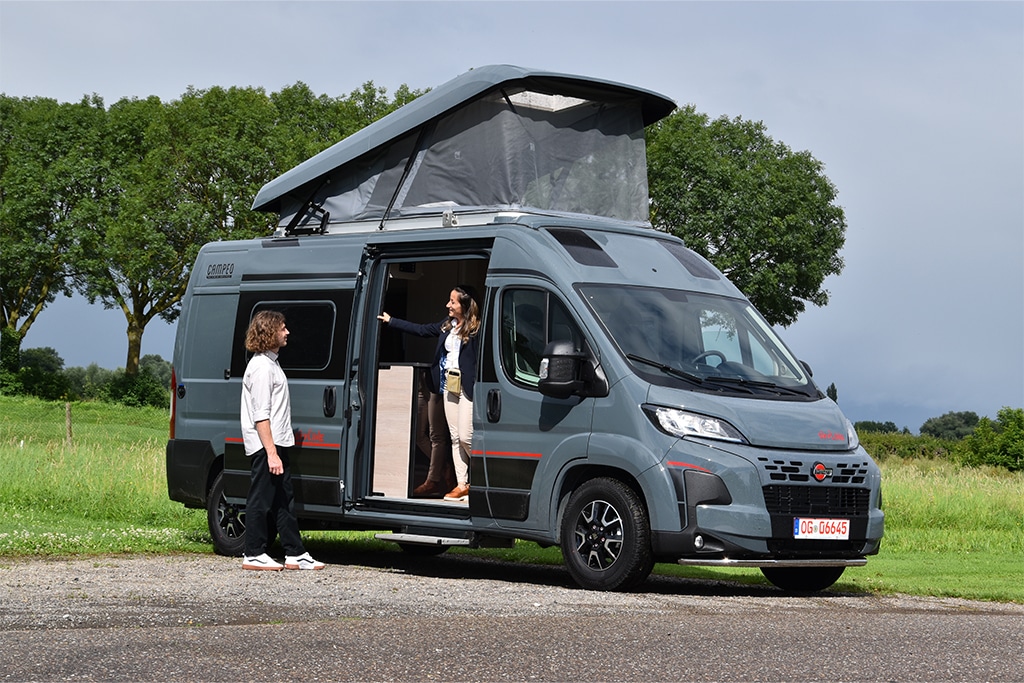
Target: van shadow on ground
465, 566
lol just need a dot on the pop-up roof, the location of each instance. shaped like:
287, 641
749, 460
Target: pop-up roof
495, 138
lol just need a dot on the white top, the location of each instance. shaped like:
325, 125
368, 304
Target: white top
265, 397
452, 345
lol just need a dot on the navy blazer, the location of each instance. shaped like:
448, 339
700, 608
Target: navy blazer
467, 353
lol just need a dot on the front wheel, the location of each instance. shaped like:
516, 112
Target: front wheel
226, 521
606, 536
803, 579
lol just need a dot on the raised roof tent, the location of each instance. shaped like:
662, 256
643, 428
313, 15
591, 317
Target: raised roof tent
495, 138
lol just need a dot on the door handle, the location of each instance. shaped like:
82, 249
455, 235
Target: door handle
330, 401
494, 405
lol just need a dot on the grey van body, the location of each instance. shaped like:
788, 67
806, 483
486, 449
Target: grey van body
630, 405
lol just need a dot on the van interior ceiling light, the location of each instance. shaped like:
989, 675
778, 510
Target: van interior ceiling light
683, 423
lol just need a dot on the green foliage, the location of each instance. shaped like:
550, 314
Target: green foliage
43, 375
89, 383
993, 443
764, 215
139, 390
998, 443
50, 161
107, 492
877, 427
952, 425
883, 446
115, 203
832, 392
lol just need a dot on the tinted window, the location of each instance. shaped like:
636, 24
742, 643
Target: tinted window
318, 324
530, 318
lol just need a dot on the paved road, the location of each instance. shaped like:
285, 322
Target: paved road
389, 617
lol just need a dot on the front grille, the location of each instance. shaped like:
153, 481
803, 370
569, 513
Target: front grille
829, 501
853, 472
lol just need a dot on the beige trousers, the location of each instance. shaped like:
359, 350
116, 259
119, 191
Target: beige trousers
459, 412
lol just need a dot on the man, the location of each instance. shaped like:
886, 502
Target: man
267, 433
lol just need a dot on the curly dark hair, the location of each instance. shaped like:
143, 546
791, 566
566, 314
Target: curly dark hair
262, 333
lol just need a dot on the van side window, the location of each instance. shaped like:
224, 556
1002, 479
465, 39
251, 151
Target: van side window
530, 318
310, 325
318, 328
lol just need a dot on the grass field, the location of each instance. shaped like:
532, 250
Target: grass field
950, 531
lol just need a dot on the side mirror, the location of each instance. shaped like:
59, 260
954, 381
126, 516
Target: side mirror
807, 367
561, 370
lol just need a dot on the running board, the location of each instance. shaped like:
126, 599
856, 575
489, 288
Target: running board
418, 539
856, 562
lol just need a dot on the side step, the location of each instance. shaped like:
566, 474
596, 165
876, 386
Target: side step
420, 539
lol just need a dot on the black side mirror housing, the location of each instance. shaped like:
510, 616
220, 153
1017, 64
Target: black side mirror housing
561, 369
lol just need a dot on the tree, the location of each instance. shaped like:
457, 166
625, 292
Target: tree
49, 164
185, 173
181, 175
763, 214
876, 427
42, 374
952, 425
832, 392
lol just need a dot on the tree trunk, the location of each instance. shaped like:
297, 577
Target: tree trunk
131, 363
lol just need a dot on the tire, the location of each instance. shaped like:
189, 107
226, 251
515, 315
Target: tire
226, 521
606, 536
803, 579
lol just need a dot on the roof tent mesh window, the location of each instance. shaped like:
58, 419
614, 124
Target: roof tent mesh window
507, 151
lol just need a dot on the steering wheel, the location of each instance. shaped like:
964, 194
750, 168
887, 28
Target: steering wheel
707, 354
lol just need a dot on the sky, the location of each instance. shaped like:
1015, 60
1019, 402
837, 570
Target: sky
916, 110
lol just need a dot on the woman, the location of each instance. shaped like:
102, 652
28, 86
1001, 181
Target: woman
452, 375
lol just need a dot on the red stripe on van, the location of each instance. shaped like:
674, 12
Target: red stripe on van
508, 454
332, 446
688, 465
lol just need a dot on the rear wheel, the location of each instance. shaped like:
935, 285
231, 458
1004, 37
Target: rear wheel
803, 579
226, 521
606, 536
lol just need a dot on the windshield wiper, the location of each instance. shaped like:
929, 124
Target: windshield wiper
667, 369
750, 384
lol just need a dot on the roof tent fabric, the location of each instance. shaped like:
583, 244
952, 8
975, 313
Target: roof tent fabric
497, 137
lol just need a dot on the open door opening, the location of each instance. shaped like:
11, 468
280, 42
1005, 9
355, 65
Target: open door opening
406, 427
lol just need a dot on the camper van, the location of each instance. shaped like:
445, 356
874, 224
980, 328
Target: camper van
630, 406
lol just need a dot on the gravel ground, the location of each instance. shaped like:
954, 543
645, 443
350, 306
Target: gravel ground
389, 616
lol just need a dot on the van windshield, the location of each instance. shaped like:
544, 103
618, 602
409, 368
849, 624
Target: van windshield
707, 342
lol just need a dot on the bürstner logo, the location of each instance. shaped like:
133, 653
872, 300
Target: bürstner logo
219, 270
820, 472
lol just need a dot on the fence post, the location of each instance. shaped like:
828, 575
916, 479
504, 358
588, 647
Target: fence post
67, 423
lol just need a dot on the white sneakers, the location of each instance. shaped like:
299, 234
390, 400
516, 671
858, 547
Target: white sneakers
303, 561
265, 562
261, 563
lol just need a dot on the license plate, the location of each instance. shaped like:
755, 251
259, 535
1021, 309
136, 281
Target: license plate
816, 528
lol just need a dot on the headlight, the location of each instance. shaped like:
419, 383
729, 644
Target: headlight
851, 435
683, 423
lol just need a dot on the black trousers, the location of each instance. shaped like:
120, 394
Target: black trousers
271, 501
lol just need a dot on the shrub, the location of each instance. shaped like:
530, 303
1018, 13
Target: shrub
883, 446
141, 390
999, 443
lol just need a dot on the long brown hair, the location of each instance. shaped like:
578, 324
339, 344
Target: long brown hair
262, 333
470, 312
